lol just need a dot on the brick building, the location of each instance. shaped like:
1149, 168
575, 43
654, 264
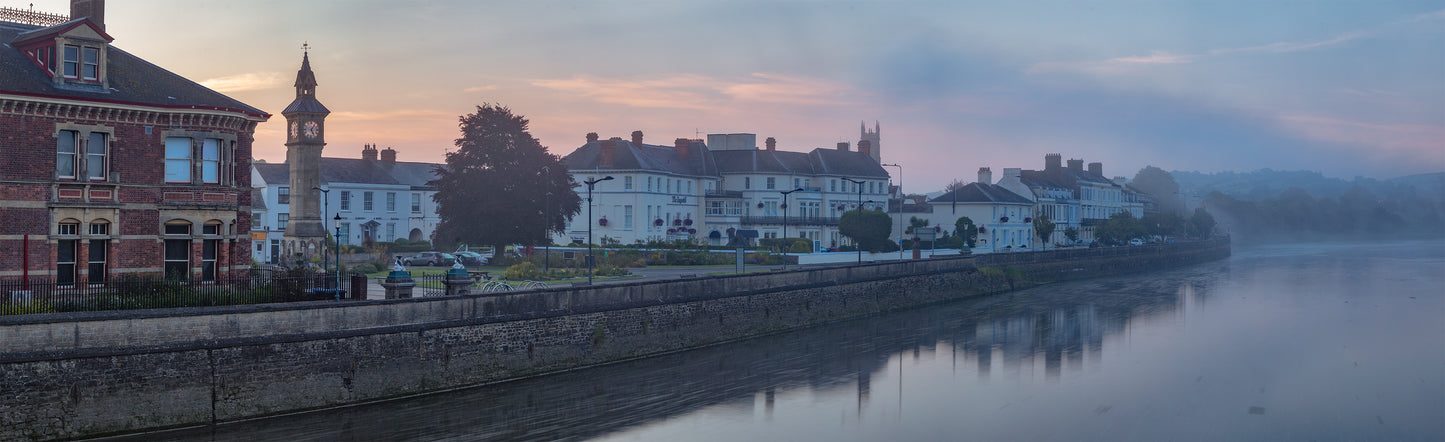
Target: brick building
111, 165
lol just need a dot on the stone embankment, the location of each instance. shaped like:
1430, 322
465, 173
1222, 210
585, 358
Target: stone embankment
98, 373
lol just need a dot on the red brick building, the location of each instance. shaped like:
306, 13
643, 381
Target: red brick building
110, 165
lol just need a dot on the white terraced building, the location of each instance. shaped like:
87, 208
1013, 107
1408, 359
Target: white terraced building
711, 191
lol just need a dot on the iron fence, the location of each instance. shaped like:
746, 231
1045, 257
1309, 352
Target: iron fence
47, 295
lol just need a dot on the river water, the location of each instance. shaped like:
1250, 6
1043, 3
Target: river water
1288, 342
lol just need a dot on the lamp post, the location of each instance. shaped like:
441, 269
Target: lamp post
900, 208
547, 220
859, 184
325, 194
591, 182
785, 223
338, 257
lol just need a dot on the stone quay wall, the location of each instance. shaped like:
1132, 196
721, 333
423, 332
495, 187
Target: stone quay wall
100, 373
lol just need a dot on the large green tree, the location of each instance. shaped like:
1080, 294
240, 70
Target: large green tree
1044, 228
1161, 185
494, 187
1203, 223
1119, 229
868, 228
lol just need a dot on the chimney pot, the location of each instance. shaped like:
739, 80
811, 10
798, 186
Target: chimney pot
772, 143
1053, 162
1076, 165
591, 136
368, 152
866, 147
1096, 168
388, 155
637, 138
843, 146
985, 175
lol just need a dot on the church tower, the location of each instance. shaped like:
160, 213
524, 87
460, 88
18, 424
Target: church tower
871, 138
305, 137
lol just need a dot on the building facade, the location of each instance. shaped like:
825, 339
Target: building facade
110, 165
710, 191
377, 197
1002, 217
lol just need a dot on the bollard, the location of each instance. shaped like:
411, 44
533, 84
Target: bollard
398, 284
458, 282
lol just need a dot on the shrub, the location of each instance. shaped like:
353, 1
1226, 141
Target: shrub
522, 271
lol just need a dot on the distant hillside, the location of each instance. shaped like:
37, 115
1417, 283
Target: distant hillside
1268, 183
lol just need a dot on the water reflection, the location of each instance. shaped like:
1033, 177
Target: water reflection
1122, 358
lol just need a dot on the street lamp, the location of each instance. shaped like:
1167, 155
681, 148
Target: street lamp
785, 223
859, 185
900, 208
338, 257
591, 182
325, 194
547, 220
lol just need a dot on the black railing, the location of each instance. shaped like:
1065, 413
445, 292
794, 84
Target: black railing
46, 295
792, 220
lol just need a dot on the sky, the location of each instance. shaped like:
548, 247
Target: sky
1346, 88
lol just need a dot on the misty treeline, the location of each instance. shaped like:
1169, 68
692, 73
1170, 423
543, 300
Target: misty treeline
1296, 215
1284, 205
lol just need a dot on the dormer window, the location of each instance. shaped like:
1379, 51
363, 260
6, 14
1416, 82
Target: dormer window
71, 52
82, 62
72, 61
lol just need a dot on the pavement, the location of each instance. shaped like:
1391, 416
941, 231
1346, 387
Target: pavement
376, 291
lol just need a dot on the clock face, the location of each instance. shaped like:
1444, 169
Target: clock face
312, 129
295, 129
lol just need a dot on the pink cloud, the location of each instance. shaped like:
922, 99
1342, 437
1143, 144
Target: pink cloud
1419, 142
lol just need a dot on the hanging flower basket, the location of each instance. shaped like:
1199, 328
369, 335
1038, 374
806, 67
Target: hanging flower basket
982, 229
657, 222
687, 222
937, 229
602, 222
842, 207
1003, 219
671, 231
784, 206
760, 205
676, 222
731, 231
1028, 220
692, 231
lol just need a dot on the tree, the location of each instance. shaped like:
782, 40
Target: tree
493, 188
1119, 228
916, 223
1161, 185
954, 185
868, 228
1044, 228
1203, 223
1071, 234
964, 227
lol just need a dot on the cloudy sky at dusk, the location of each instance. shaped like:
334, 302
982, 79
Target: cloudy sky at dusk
1342, 87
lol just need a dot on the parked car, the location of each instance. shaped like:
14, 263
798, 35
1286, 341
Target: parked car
430, 259
1136, 242
470, 258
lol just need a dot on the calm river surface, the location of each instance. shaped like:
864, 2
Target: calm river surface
1288, 342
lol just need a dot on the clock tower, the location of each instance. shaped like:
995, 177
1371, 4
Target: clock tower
305, 137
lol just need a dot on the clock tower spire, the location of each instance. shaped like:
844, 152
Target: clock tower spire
305, 137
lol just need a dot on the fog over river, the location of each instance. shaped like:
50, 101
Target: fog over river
1338, 341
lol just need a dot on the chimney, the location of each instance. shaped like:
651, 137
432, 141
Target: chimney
94, 9
607, 152
1076, 165
1096, 168
591, 136
681, 146
637, 138
985, 175
368, 152
388, 156
866, 147
1053, 162
843, 146
772, 144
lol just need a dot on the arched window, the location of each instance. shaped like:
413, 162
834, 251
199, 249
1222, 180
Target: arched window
67, 250
177, 250
98, 252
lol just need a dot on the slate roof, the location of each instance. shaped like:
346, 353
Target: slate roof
702, 161
982, 193
132, 79
258, 199
1064, 178
358, 171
